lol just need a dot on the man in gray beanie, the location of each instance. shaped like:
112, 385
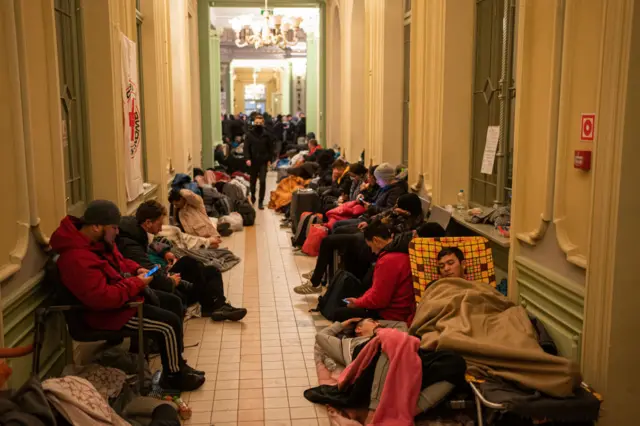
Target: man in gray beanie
94, 271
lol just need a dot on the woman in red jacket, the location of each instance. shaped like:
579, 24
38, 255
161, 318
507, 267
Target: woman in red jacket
391, 295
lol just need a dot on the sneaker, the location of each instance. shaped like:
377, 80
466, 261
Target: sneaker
308, 275
182, 381
260, 205
228, 312
307, 288
189, 369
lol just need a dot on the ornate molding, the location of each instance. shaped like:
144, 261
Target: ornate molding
23, 221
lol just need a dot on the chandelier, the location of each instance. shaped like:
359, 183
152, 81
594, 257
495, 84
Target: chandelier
268, 30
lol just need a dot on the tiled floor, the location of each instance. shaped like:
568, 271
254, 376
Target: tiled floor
257, 369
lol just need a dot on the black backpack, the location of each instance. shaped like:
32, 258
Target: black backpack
344, 284
247, 212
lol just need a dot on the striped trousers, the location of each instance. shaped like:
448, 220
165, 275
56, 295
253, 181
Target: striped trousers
164, 325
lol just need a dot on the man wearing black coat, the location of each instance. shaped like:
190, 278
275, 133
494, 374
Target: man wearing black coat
186, 276
258, 149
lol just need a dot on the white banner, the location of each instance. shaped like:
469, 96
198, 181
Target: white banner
132, 120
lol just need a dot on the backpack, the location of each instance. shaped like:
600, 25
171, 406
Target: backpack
344, 284
223, 206
247, 212
307, 219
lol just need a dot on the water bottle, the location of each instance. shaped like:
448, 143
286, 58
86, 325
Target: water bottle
462, 201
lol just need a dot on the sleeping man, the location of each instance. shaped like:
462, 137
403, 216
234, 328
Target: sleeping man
442, 371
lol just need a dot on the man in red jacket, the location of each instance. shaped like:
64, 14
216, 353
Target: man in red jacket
95, 272
391, 294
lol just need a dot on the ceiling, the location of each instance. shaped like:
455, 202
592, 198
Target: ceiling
220, 16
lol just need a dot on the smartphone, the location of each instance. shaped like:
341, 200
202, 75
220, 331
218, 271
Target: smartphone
345, 301
152, 271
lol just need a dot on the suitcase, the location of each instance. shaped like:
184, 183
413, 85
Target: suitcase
303, 200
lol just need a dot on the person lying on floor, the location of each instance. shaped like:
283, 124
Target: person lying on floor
191, 215
391, 294
357, 256
345, 349
390, 190
186, 276
92, 268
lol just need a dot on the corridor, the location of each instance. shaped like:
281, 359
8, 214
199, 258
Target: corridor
258, 369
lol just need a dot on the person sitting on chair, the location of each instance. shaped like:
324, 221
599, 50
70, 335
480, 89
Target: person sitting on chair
391, 295
207, 285
451, 263
93, 270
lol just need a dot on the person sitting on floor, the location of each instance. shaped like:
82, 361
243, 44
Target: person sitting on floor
391, 294
93, 270
390, 190
343, 350
186, 276
191, 215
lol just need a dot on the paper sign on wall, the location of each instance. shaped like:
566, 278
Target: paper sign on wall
490, 149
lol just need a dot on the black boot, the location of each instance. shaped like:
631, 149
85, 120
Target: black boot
228, 312
261, 205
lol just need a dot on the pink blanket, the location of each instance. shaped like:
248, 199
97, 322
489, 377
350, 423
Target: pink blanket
402, 384
349, 210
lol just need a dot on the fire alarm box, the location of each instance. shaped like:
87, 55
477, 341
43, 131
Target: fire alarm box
582, 160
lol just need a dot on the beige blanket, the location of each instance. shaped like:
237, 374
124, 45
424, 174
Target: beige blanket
493, 334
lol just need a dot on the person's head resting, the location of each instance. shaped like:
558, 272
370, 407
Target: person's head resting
176, 199
150, 216
357, 171
312, 143
377, 236
258, 121
338, 167
199, 172
451, 263
411, 204
366, 327
100, 222
371, 176
385, 174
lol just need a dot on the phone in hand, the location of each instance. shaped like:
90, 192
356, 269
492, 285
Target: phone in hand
152, 271
346, 301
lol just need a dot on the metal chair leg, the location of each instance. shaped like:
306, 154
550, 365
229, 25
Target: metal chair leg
141, 358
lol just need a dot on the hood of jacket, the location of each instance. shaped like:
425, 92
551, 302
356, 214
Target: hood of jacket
68, 237
129, 228
400, 186
400, 244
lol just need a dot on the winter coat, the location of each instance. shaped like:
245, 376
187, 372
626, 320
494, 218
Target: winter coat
259, 146
391, 293
349, 210
133, 243
94, 274
193, 216
387, 197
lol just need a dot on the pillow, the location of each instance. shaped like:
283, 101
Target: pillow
423, 253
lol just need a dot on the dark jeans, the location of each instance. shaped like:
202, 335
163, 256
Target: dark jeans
343, 314
356, 254
164, 325
258, 170
208, 289
347, 226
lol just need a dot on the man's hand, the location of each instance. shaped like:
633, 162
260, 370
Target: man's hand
142, 271
400, 211
145, 280
248, 163
348, 322
170, 258
362, 225
351, 302
176, 278
214, 242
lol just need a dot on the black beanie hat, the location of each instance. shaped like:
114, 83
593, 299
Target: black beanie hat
411, 203
101, 212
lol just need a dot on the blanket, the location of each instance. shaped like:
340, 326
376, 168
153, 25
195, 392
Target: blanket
493, 335
283, 194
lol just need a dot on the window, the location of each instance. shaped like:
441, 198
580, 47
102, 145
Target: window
143, 138
255, 98
488, 93
73, 138
406, 84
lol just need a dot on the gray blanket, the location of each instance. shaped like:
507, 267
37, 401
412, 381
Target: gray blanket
221, 259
